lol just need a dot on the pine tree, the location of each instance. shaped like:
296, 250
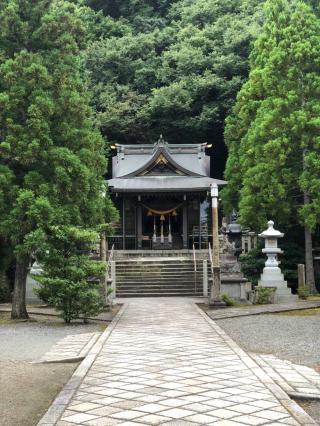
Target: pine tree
52, 157
273, 135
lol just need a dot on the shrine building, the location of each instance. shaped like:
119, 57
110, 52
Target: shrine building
162, 192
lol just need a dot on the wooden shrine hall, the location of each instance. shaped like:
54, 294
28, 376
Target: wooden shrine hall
162, 192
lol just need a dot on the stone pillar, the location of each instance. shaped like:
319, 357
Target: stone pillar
243, 292
301, 276
185, 226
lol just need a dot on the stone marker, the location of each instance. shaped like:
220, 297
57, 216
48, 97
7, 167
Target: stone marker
301, 276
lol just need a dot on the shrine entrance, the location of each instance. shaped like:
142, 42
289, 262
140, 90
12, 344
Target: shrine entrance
162, 193
162, 226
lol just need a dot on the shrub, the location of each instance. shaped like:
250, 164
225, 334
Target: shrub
70, 280
263, 295
303, 293
5, 294
228, 300
72, 298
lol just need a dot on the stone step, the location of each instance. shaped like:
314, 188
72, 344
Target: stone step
158, 265
158, 271
123, 286
158, 281
161, 294
158, 277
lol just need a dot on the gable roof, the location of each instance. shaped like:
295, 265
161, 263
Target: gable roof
135, 160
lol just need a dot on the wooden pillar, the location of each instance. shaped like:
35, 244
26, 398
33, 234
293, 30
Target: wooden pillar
185, 225
139, 225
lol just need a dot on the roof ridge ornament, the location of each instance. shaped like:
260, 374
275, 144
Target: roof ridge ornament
161, 143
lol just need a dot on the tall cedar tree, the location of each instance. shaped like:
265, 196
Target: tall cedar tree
273, 135
52, 160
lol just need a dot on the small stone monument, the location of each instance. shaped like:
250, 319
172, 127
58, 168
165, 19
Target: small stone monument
31, 297
272, 275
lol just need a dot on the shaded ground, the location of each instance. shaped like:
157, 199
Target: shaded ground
294, 336
29, 340
26, 389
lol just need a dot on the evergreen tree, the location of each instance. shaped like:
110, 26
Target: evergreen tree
175, 70
52, 158
273, 134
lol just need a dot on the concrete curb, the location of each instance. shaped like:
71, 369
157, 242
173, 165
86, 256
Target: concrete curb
284, 385
291, 406
83, 353
300, 395
64, 397
292, 308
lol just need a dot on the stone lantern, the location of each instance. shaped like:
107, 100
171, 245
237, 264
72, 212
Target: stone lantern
272, 275
234, 232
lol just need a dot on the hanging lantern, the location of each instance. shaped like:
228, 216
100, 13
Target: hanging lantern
162, 217
174, 213
149, 213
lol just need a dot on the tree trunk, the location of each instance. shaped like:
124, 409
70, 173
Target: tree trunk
310, 280
309, 261
19, 310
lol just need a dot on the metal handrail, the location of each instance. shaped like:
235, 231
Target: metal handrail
194, 258
194, 268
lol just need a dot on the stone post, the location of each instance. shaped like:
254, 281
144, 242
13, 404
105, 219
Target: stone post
301, 276
215, 296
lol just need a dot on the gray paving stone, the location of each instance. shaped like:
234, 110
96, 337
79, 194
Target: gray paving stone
166, 363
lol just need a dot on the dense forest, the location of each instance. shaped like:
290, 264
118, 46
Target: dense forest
170, 67
77, 76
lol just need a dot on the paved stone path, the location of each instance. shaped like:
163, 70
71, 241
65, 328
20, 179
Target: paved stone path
73, 347
166, 363
261, 309
295, 380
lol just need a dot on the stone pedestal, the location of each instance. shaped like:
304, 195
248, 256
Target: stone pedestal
272, 277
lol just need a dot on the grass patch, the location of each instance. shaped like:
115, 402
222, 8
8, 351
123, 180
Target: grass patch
301, 313
314, 298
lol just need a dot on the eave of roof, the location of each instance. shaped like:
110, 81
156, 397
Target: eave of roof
163, 184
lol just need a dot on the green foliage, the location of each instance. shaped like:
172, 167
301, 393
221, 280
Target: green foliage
274, 129
263, 295
5, 294
70, 279
51, 154
252, 264
228, 300
176, 72
303, 293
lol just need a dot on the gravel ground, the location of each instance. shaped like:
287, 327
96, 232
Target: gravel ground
26, 389
296, 338
29, 340
292, 337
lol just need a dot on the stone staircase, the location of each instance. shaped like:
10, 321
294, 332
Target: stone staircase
158, 277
